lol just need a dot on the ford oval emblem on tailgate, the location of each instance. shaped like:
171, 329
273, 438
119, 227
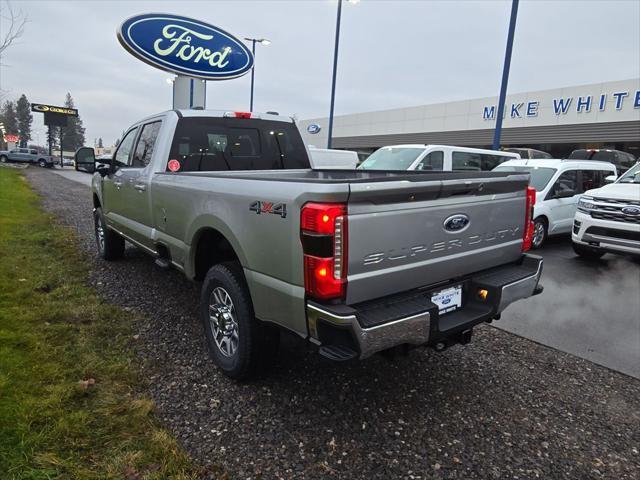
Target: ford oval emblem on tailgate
456, 223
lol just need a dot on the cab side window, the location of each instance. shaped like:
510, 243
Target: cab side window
123, 155
433, 161
146, 142
566, 182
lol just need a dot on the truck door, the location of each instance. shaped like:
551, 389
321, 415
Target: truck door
114, 196
137, 189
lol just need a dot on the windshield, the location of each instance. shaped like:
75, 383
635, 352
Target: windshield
632, 175
540, 176
391, 158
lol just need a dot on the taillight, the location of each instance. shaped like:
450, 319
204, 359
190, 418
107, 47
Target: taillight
323, 231
528, 219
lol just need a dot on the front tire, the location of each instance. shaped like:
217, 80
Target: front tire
238, 343
110, 244
539, 233
3, 159
42, 163
587, 252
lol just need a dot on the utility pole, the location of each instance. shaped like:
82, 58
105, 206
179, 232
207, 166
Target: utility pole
505, 75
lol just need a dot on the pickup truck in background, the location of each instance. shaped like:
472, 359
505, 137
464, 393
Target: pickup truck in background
26, 155
356, 262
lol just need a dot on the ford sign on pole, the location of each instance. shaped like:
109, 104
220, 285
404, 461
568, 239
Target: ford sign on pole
185, 46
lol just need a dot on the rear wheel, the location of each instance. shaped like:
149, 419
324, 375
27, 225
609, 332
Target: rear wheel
110, 244
587, 252
539, 232
238, 343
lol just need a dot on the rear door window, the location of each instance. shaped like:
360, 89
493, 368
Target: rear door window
433, 161
146, 143
476, 161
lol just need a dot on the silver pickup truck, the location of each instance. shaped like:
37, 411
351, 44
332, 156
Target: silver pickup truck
356, 262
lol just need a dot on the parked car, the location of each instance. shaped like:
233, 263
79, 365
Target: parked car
355, 262
26, 155
528, 152
608, 218
332, 159
435, 157
558, 185
622, 160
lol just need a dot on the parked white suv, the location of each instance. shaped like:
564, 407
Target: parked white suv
435, 157
608, 218
559, 184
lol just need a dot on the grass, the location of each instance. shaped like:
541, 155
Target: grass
70, 402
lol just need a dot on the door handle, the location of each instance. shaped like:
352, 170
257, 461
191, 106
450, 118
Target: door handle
141, 187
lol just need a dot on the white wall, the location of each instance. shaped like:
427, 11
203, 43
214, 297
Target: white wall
468, 114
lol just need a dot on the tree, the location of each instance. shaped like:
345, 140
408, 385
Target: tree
25, 119
15, 29
100, 145
9, 118
73, 133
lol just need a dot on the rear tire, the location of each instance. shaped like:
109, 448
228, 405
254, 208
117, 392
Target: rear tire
540, 229
587, 252
238, 343
110, 244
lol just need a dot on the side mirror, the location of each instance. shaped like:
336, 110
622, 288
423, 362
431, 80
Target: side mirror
565, 194
610, 179
85, 160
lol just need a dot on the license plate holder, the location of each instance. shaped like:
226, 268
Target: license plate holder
448, 299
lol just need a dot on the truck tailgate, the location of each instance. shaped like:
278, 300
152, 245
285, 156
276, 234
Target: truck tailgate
404, 235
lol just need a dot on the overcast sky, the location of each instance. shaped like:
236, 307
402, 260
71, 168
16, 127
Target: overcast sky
392, 54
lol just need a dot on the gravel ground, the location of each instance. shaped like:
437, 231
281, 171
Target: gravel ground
501, 407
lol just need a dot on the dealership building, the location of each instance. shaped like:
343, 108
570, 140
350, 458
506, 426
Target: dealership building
601, 115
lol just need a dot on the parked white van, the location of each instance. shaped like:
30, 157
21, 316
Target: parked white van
435, 157
559, 184
332, 159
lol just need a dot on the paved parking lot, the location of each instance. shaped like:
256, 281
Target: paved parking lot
589, 308
501, 407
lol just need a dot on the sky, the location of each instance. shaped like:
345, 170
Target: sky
392, 54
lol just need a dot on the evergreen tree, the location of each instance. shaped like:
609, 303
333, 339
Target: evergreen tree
73, 133
100, 145
9, 118
25, 119
53, 135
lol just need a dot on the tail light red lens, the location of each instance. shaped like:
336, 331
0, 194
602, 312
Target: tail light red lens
528, 219
324, 239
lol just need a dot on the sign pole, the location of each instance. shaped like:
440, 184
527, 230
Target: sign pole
61, 158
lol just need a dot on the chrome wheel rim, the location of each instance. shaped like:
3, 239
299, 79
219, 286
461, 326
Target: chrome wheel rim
222, 321
100, 233
538, 234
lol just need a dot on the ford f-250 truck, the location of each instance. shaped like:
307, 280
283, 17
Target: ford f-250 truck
356, 262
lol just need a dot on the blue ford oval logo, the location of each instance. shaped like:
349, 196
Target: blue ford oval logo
313, 128
456, 223
185, 46
631, 210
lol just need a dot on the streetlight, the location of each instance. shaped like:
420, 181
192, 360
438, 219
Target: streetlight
262, 41
335, 69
